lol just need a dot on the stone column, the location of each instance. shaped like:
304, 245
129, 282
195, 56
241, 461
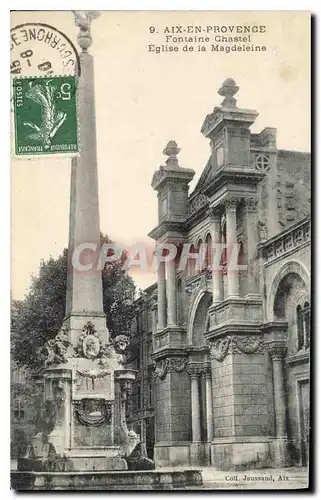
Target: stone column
195, 403
217, 274
209, 405
231, 241
277, 353
171, 293
161, 296
252, 282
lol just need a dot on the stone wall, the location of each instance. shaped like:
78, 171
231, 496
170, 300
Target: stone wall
294, 171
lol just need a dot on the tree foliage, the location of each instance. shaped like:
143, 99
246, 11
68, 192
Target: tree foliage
39, 316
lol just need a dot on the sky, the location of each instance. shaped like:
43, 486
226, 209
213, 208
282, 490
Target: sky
143, 100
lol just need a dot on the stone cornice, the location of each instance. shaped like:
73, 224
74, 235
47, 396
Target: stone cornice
298, 358
232, 328
221, 114
165, 226
193, 219
164, 173
85, 314
228, 175
197, 349
167, 351
236, 301
275, 326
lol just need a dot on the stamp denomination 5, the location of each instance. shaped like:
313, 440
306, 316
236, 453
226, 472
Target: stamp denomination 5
45, 114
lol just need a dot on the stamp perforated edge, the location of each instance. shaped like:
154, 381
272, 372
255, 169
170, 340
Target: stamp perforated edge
42, 156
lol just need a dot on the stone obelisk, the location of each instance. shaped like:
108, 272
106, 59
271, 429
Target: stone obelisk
85, 380
84, 287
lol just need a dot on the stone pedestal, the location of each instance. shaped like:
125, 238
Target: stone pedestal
84, 416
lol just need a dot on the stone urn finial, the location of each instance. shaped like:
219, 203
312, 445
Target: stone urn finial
171, 151
228, 90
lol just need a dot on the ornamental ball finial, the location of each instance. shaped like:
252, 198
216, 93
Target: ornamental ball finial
228, 90
83, 20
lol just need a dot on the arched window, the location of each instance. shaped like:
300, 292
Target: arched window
306, 324
191, 263
303, 325
299, 325
224, 250
209, 252
180, 302
200, 264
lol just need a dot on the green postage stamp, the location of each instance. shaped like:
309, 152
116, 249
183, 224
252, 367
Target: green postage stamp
45, 115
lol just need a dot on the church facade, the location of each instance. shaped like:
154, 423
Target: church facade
222, 343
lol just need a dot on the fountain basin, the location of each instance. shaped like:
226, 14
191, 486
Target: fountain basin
106, 480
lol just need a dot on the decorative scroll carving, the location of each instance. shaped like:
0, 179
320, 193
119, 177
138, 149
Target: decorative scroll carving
248, 344
160, 368
93, 375
210, 122
177, 364
197, 203
168, 365
219, 349
57, 349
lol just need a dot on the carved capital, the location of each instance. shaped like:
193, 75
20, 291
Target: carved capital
214, 215
230, 202
251, 204
195, 371
277, 350
207, 372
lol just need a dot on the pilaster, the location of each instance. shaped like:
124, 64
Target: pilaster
250, 248
173, 405
276, 342
241, 413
